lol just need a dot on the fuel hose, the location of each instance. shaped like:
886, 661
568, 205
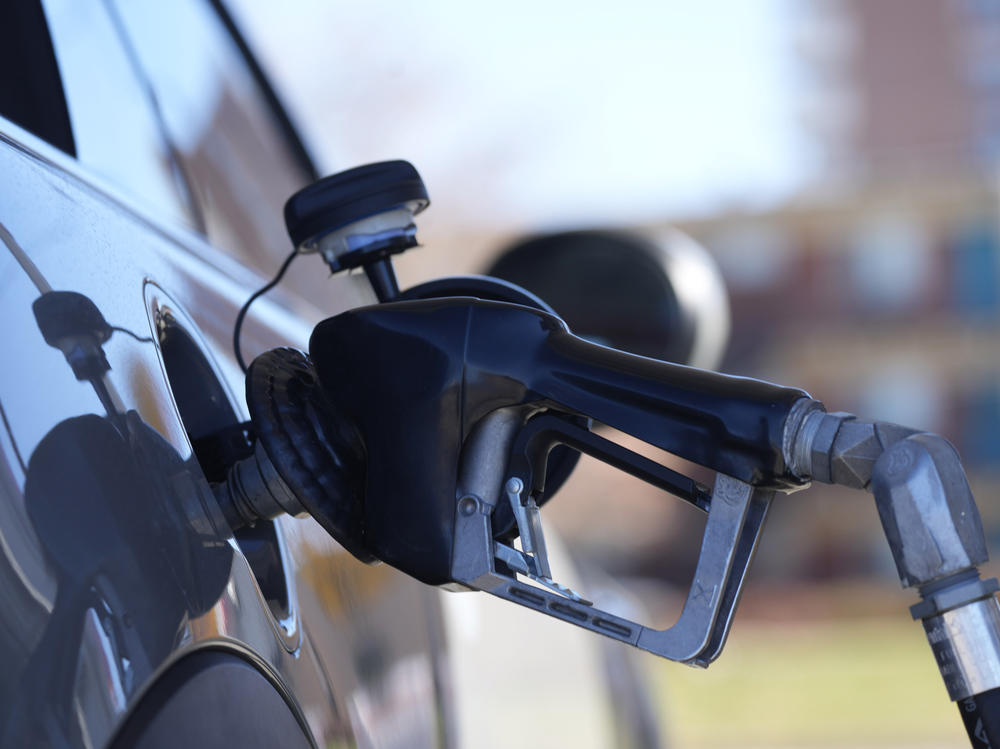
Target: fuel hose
981, 716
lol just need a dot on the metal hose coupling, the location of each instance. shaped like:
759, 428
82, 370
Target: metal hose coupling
936, 537
253, 491
835, 448
961, 618
930, 520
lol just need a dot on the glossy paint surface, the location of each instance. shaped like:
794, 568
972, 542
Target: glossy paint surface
115, 562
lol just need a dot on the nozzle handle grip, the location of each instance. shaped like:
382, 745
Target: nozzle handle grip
416, 377
733, 425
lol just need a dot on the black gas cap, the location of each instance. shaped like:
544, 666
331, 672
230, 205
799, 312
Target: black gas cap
349, 196
358, 218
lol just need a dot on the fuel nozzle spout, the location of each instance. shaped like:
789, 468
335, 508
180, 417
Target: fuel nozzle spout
306, 460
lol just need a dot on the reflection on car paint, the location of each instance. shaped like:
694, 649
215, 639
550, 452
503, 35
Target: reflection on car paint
154, 555
392, 676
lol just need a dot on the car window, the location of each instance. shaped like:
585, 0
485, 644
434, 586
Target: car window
115, 128
224, 131
31, 92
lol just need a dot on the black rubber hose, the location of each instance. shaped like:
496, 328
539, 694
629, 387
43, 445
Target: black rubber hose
981, 716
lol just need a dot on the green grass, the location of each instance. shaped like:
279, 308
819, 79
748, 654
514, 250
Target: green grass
849, 683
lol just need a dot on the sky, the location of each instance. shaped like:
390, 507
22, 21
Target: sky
548, 114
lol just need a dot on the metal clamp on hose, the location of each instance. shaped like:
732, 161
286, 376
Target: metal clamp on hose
966, 645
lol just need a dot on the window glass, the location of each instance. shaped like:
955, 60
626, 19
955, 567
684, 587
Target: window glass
904, 392
229, 144
890, 262
114, 125
31, 92
981, 427
976, 256
753, 256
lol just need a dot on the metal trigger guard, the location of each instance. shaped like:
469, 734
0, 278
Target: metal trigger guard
736, 512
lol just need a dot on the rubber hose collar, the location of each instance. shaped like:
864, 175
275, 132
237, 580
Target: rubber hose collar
314, 450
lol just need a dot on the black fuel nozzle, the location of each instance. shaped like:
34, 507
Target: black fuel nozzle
418, 433
458, 401
420, 376
427, 431
72, 323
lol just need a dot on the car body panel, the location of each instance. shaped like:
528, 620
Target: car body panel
367, 637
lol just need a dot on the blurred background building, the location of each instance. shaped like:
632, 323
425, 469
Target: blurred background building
877, 285
838, 159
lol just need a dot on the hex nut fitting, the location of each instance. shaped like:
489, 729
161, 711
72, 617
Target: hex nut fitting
927, 510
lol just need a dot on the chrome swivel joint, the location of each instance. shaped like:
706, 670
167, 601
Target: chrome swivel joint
932, 525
